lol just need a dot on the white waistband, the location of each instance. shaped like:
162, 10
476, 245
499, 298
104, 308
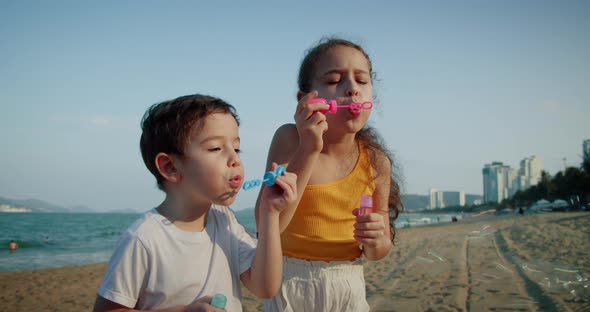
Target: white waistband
305, 269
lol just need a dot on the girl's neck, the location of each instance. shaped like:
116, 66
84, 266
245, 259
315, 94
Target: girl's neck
186, 216
341, 145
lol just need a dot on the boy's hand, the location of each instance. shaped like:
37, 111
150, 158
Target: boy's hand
277, 197
369, 229
310, 124
202, 305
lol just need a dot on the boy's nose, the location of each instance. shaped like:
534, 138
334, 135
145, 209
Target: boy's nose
235, 160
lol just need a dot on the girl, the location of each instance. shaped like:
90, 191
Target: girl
337, 159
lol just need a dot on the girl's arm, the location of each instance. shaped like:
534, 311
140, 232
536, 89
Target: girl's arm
285, 149
372, 230
298, 147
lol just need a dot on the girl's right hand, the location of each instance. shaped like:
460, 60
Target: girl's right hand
311, 124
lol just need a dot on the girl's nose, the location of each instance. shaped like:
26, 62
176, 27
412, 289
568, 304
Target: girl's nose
352, 89
352, 92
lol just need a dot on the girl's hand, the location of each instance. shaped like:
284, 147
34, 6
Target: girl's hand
369, 229
310, 124
279, 196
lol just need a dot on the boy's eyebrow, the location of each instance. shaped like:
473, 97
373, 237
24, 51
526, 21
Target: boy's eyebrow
218, 137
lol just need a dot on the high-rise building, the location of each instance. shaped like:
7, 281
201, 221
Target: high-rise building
436, 200
500, 181
530, 172
495, 182
453, 198
586, 149
442, 199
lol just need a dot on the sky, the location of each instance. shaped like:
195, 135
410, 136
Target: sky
460, 84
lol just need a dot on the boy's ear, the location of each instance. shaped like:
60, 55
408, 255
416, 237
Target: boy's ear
167, 168
300, 94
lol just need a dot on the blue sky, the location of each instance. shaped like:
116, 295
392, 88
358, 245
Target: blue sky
461, 84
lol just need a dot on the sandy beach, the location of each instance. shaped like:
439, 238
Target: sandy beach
489, 263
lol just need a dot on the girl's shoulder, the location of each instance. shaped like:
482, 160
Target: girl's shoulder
378, 158
287, 131
286, 139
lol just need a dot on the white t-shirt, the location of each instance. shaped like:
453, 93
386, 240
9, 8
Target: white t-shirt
156, 265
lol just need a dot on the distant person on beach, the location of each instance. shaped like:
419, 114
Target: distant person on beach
176, 256
337, 159
12, 246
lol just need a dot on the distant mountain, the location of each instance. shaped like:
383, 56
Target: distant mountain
125, 210
244, 213
37, 205
415, 202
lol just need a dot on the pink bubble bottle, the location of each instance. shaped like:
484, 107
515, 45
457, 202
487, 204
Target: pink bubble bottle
366, 205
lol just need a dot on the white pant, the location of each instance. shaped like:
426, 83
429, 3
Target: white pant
320, 286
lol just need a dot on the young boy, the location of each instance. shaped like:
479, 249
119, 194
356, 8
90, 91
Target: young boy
191, 247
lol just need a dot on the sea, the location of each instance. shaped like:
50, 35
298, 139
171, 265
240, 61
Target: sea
51, 240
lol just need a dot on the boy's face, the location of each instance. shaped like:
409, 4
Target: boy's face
211, 168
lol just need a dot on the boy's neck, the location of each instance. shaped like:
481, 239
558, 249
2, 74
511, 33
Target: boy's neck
190, 217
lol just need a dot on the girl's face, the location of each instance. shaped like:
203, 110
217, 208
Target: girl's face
211, 168
343, 74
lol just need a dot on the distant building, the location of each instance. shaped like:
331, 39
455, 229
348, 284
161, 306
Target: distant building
436, 200
8, 208
586, 148
495, 178
442, 199
530, 172
454, 199
501, 181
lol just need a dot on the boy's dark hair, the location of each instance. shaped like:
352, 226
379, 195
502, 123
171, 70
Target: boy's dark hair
368, 135
166, 126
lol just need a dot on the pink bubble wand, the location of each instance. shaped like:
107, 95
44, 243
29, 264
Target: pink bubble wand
354, 108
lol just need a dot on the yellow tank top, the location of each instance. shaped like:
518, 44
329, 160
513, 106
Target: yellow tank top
323, 224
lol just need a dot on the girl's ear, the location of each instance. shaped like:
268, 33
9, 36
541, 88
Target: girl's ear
167, 168
300, 94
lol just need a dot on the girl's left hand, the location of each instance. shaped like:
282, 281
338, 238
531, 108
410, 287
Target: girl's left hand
369, 229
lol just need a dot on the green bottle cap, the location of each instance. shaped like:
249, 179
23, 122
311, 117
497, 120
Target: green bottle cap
219, 301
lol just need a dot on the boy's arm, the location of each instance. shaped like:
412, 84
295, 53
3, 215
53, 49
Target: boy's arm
264, 277
372, 230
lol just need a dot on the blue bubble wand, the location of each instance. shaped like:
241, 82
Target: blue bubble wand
268, 178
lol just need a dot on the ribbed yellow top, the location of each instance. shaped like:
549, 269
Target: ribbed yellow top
323, 224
